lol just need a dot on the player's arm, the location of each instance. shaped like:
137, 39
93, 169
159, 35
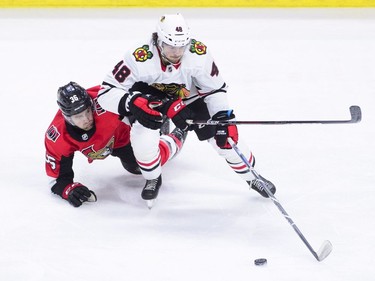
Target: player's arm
118, 96
214, 91
60, 170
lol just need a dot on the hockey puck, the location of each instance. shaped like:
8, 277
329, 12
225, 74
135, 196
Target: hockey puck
260, 261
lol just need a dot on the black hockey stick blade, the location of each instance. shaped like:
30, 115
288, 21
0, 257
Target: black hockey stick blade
355, 113
324, 250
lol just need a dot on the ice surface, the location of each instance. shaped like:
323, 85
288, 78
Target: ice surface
206, 224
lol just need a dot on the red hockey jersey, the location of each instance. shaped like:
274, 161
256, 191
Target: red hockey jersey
62, 140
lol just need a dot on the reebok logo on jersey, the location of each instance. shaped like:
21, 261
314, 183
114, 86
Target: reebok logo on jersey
198, 47
52, 133
142, 54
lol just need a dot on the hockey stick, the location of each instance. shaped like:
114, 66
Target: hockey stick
324, 250
355, 113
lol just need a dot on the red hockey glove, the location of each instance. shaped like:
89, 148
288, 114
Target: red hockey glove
171, 106
141, 106
176, 110
77, 193
223, 132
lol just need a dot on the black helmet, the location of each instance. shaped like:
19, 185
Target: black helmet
73, 99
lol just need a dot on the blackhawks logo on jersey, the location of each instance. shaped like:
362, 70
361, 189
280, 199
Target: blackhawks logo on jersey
142, 53
198, 47
173, 90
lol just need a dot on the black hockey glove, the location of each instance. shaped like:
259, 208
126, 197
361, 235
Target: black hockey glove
145, 88
223, 132
76, 194
178, 112
141, 106
170, 105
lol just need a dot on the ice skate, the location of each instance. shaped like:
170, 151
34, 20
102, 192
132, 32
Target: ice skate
151, 190
257, 185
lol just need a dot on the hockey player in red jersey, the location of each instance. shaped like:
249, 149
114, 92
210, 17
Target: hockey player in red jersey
82, 125
184, 70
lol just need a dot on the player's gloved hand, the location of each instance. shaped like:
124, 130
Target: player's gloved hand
76, 194
171, 106
178, 112
142, 107
223, 132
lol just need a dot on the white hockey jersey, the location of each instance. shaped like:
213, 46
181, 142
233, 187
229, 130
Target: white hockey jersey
196, 72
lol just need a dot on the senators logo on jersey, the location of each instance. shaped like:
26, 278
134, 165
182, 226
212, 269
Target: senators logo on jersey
102, 153
142, 54
52, 133
198, 47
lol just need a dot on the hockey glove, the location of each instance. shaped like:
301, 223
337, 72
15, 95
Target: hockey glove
177, 110
171, 106
77, 193
141, 106
223, 132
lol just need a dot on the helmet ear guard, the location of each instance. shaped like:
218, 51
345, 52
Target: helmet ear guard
173, 31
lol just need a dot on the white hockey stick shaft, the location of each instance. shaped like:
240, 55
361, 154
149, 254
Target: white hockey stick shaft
326, 247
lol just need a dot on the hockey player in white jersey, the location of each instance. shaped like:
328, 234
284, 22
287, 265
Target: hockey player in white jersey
173, 75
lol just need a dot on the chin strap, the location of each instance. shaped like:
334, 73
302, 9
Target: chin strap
165, 60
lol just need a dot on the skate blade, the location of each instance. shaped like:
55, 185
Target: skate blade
150, 203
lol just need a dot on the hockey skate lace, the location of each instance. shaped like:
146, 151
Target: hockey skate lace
151, 184
258, 185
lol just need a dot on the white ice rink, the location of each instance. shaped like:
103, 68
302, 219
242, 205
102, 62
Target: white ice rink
206, 225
